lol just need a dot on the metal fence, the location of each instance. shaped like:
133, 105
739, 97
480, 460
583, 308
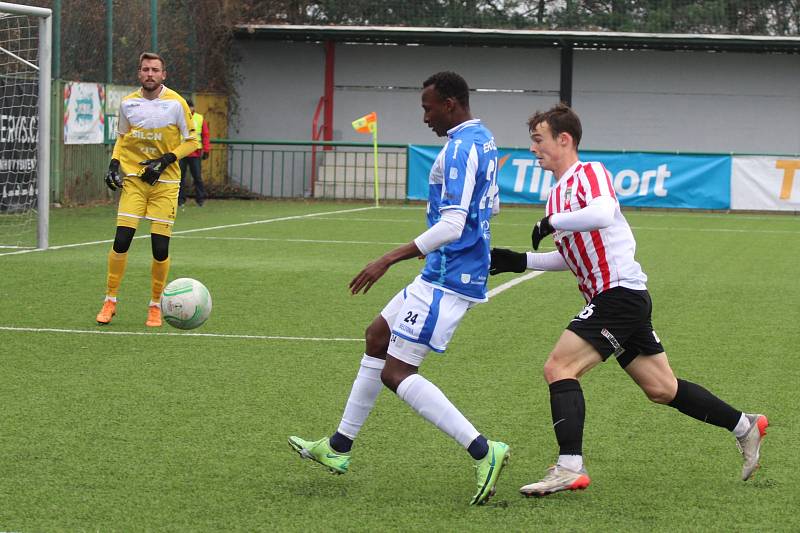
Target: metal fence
253, 169
333, 170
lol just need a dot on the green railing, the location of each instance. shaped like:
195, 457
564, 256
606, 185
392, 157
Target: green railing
310, 169
253, 168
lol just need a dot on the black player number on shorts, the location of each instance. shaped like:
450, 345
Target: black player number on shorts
411, 318
587, 312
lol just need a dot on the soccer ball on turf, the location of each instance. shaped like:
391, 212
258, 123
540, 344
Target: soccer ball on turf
185, 303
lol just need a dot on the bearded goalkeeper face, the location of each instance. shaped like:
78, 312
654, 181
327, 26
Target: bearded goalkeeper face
151, 75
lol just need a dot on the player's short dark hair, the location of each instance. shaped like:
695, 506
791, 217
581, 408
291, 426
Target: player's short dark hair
449, 85
189, 102
561, 119
152, 55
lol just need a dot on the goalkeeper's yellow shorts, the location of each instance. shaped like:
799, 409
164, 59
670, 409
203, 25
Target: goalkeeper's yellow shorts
156, 203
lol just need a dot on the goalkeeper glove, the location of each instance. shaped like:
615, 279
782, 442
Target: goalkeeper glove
205, 156
504, 260
154, 167
541, 230
113, 179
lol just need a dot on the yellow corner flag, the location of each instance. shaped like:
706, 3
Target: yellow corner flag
369, 124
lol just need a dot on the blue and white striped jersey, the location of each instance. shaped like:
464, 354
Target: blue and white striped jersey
463, 177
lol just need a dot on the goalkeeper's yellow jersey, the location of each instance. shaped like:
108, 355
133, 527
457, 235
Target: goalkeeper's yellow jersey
149, 129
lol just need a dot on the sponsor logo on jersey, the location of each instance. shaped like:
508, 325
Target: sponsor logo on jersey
147, 135
407, 329
453, 173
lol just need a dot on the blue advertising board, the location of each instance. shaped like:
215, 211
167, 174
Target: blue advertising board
641, 179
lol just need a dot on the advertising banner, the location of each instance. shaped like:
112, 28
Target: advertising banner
765, 183
19, 128
114, 96
83, 113
640, 179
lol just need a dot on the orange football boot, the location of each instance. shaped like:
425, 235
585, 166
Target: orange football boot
107, 312
153, 316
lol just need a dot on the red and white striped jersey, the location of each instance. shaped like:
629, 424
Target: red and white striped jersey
601, 258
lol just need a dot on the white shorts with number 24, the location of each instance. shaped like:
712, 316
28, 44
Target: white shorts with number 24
422, 317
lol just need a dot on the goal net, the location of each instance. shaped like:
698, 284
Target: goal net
24, 126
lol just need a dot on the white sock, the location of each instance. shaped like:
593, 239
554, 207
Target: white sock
152, 303
430, 402
362, 397
742, 427
571, 462
111, 299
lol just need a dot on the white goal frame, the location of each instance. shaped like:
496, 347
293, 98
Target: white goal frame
45, 80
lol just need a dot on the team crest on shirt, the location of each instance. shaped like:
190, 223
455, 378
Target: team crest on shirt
465, 278
568, 195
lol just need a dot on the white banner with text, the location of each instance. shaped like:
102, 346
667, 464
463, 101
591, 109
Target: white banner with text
765, 183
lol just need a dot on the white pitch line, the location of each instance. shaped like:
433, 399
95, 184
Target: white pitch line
415, 220
516, 281
544, 248
491, 294
210, 228
270, 220
171, 334
496, 223
312, 241
719, 230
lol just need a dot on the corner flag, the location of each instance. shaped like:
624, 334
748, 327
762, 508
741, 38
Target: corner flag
369, 124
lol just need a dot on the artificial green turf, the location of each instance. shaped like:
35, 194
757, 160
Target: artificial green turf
106, 432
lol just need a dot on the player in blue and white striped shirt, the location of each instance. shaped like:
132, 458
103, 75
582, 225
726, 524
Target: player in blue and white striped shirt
462, 182
424, 315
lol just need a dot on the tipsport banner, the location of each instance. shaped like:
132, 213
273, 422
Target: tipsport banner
640, 179
766, 183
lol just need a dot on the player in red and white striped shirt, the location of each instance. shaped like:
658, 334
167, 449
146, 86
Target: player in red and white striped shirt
595, 242
599, 253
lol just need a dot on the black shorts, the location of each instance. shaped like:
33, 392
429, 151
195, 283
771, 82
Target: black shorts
617, 322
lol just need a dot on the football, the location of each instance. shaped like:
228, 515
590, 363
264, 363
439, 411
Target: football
185, 303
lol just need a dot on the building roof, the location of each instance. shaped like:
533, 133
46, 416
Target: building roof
521, 38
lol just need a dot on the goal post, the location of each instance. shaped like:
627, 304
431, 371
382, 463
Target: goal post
22, 66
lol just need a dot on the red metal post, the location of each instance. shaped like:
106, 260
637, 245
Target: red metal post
315, 133
330, 67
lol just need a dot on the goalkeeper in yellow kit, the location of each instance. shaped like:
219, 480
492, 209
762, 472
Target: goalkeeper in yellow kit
155, 130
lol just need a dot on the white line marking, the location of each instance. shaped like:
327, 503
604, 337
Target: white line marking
516, 281
270, 220
497, 223
175, 334
718, 230
315, 241
543, 248
415, 220
210, 228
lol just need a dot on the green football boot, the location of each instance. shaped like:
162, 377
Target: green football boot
321, 452
488, 471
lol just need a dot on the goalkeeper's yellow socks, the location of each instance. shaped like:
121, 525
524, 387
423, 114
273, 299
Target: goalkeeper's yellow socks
159, 271
116, 270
